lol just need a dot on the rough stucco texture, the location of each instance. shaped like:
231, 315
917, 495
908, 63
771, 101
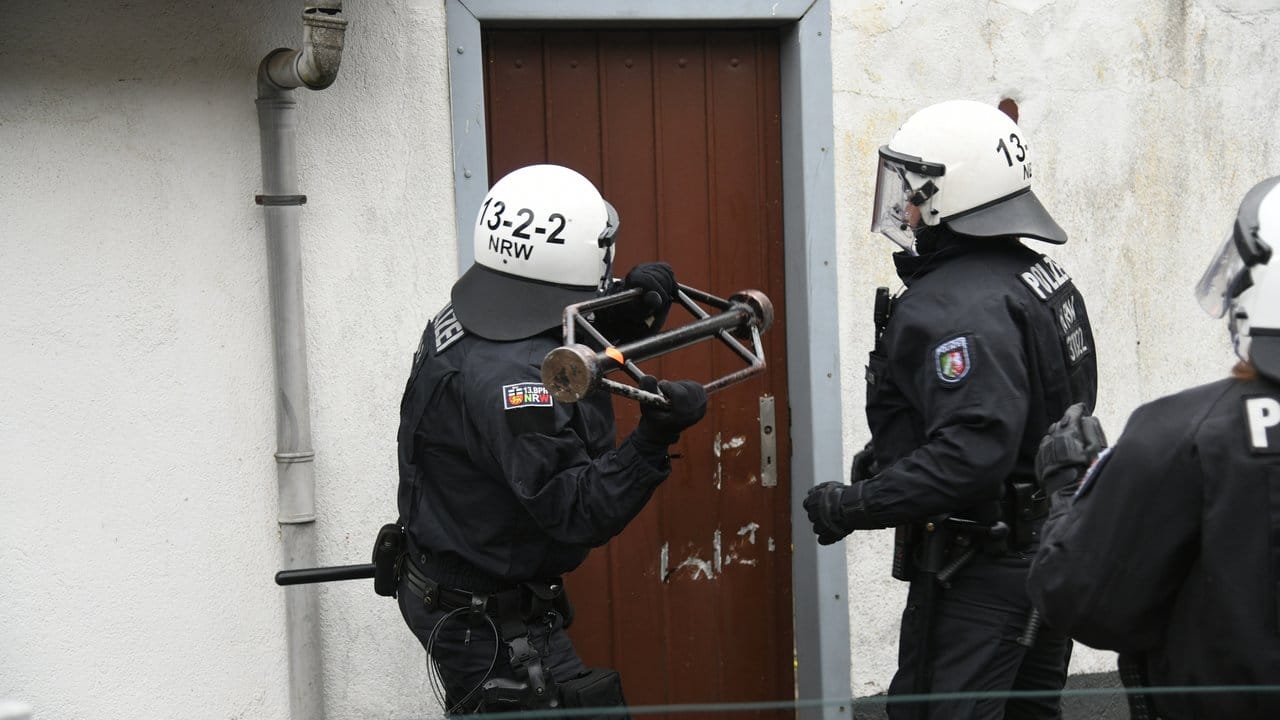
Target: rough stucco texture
137, 493
1149, 120
138, 531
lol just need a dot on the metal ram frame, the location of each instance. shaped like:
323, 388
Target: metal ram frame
575, 369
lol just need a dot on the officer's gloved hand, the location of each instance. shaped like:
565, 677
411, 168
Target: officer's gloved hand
658, 281
1068, 449
662, 425
645, 315
864, 465
831, 507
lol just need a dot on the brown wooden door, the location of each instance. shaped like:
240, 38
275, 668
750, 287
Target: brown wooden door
681, 131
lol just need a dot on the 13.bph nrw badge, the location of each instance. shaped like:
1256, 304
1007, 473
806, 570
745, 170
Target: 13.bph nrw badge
522, 395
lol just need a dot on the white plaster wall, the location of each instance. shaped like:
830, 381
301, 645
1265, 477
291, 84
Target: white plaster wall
1149, 120
137, 488
138, 531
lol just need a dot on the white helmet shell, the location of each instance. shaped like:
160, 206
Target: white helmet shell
545, 223
963, 163
543, 240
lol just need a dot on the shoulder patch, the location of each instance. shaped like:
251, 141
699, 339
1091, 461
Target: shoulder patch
1045, 277
952, 361
523, 395
528, 408
1069, 313
1262, 420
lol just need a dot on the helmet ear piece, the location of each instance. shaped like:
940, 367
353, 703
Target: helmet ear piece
921, 196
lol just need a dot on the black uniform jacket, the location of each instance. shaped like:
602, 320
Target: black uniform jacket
1171, 548
497, 476
988, 345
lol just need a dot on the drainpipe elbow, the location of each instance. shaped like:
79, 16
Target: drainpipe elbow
323, 37
315, 66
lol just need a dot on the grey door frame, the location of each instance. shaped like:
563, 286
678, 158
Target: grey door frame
819, 575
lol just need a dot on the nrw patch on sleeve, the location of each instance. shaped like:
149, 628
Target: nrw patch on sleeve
952, 360
528, 407
522, 395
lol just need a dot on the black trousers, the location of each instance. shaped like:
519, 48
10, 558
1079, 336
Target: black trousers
974, 647
464, 652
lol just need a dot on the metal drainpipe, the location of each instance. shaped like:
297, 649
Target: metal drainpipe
315, 66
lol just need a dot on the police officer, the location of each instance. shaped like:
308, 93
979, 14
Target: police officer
1169, 550
988, 342
503, 489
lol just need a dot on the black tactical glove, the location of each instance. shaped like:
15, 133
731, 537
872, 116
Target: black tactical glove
658, 281
662, 425
834, 509
864, 465
1068, 449
645, 315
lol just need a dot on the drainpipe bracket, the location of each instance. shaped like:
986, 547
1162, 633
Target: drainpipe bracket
275, 200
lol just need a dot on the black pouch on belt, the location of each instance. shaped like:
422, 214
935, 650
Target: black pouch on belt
596, 688
561, 604
1023, 514
388, 552
904, 545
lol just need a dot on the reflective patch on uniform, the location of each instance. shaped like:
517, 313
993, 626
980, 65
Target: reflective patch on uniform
446, 329
1262, 423
952, 360
1069, 313
523, 395
1094, 469
1045, 278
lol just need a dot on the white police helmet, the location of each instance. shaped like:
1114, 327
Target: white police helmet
965, 164
1240, 283
543, 239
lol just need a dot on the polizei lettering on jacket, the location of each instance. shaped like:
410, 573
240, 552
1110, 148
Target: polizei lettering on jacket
1262, 414
510, 248
1045, 277
447, 328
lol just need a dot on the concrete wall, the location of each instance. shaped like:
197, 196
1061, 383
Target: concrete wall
138, 530
1149, 120
137, 488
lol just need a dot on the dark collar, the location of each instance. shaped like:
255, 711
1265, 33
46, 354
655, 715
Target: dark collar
940, 246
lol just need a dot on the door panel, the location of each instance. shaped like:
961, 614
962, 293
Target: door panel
681, 130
